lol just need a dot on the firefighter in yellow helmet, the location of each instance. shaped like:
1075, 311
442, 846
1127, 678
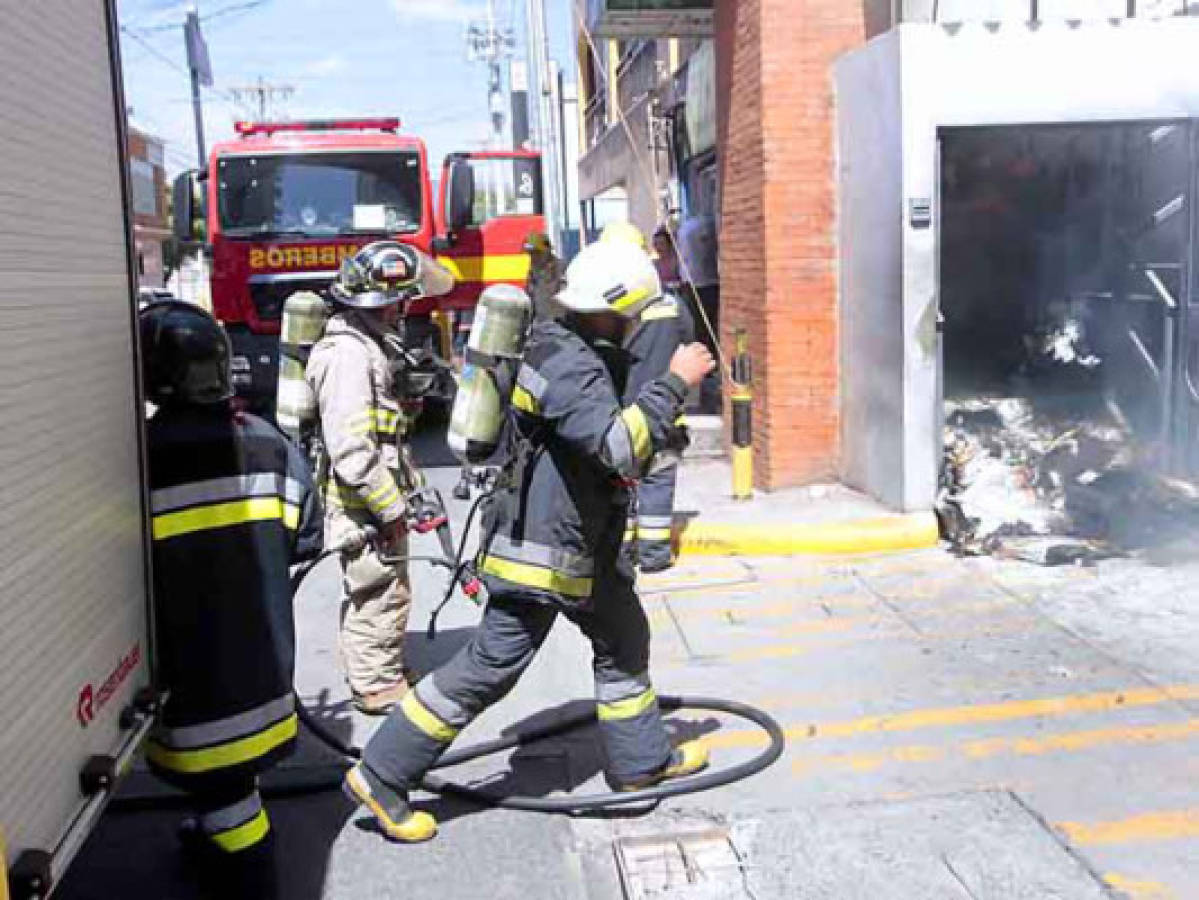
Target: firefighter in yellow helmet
545, 275
552, 546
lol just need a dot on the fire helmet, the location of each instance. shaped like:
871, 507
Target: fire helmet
610, 276
625, 231
377, 276
537, 242
185, 355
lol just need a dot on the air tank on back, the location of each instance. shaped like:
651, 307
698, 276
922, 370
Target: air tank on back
497, 336
304, 317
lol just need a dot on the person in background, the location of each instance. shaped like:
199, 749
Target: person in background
233, 507
662, 327
545, 276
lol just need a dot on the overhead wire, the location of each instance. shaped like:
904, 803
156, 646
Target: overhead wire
647, 171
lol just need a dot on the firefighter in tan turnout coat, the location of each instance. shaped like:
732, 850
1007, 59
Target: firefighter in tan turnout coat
351, 372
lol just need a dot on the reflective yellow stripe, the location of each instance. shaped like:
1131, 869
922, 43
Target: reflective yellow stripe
629, 534
419, 716
638, 425
382, 421
524, 401
378, 500
657, 311
653, 534
538, 577
512, 267
632, 298
244, 836
222, 756
627, 709
222, 515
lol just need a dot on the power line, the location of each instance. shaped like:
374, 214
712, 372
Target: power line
246, 6
166, 60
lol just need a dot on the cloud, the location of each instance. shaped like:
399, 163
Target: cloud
439, 10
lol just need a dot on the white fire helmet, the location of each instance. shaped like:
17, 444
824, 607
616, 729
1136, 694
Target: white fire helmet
610, 276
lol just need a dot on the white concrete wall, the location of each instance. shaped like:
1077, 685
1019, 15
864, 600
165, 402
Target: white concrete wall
869, 222
974, 74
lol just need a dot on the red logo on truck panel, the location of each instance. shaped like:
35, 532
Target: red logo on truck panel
92, 700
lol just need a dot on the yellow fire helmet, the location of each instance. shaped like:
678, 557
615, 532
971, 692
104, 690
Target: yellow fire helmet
610, 276
538, 242
626, 232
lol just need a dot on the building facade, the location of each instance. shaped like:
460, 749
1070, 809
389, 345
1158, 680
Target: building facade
798, 147
151, 225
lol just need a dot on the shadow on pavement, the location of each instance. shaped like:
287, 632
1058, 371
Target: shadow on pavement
557, 765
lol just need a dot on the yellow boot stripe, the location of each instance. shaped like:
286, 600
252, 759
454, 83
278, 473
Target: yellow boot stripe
244, 836
423, 719
627, 709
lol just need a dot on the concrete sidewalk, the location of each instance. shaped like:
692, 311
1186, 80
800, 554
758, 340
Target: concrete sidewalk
826, 519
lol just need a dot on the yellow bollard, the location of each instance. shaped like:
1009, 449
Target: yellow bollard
742, 400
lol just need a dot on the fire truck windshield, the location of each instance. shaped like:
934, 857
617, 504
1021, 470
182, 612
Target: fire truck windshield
320, 193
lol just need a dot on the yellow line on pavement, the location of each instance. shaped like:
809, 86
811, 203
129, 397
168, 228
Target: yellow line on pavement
1070, 704
788, 650
1017, 746
1167, 825
1139, 890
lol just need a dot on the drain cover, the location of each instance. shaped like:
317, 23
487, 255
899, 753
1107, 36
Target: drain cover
685, 865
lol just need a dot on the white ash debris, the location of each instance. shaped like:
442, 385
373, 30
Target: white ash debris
1014, 477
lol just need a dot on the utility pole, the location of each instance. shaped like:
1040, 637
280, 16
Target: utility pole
488, 43
547, 133
264, 94
201, 75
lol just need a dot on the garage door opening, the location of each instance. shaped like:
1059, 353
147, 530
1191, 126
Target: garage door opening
1067, 351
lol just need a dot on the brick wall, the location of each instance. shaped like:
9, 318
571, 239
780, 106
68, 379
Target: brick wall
777, 242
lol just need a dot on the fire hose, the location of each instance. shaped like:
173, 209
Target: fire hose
428, 515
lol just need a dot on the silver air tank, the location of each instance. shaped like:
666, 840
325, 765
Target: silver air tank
497, 334
304, 318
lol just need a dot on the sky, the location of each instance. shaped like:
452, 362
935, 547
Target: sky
342, 57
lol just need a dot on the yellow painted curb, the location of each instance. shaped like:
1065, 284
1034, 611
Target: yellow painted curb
912, 531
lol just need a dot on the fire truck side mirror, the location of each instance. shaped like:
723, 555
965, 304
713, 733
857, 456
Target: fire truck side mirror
461, 196
187, 208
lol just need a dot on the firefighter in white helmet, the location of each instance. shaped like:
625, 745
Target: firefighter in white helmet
552, 545
352, 373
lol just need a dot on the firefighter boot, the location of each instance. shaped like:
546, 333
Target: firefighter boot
389, 807
687, 759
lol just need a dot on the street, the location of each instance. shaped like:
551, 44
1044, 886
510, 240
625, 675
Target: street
957, 729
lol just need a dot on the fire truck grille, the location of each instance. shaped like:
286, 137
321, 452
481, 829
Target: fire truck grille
269, 296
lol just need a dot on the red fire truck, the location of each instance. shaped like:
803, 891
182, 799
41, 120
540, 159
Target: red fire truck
284, 202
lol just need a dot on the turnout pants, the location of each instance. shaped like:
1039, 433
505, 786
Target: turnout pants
514, 627
233, 840
651, 526
376, 601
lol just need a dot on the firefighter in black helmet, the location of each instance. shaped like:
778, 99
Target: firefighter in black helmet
233, 506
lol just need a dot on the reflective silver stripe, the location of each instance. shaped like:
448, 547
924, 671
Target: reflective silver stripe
622, 689
439, 704
231, 816
293, 491
655, 521
252, 721
532, 381
218, 490
562, 561
618, 448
